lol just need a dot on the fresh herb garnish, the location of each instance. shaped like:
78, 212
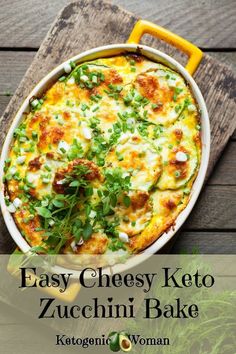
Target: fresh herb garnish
87, 78
75, 151
114, 91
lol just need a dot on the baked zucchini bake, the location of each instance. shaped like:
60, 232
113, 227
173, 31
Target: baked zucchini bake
105, 160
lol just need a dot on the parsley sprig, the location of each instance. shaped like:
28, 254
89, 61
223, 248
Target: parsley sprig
59, 213
116, 186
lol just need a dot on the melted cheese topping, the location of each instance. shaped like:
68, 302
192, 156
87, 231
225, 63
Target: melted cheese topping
105, 160
132, 153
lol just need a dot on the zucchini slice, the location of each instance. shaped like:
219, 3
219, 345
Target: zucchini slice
180, 162
167, 93
136, 156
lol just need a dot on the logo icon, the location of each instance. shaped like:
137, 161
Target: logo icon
119, 341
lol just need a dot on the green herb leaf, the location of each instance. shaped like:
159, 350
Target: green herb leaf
58, 203
106, 206
126, 201
38, 249
74, 184
44, 212
75, 151
87, 231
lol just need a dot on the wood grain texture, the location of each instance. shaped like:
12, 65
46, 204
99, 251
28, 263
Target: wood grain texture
215, 209
24, 23
216, 206
225, 169
11, 74
13, 66
189, 18
228, 58
56, 47
218, 86
113, 25
4, 101
205, 243
7, 245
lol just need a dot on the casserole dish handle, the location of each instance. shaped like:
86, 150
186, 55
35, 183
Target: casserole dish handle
194, 53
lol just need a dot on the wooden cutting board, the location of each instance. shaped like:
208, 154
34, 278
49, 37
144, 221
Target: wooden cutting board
86, 24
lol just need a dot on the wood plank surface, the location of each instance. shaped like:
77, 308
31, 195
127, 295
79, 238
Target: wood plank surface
11, 74
216, 207
13, 66
24, 23
225, 170
216, 81
217, 84
228, 58
4, 101
211, 228
214, 242
197, 21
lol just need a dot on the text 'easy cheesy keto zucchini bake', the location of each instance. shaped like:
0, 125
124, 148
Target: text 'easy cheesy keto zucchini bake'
105, 160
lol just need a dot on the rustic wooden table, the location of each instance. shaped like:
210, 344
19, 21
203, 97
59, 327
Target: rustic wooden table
211, 25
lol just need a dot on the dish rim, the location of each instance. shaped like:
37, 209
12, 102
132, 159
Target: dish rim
96, 53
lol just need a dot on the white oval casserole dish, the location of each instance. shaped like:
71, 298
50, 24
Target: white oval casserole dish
110, 50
